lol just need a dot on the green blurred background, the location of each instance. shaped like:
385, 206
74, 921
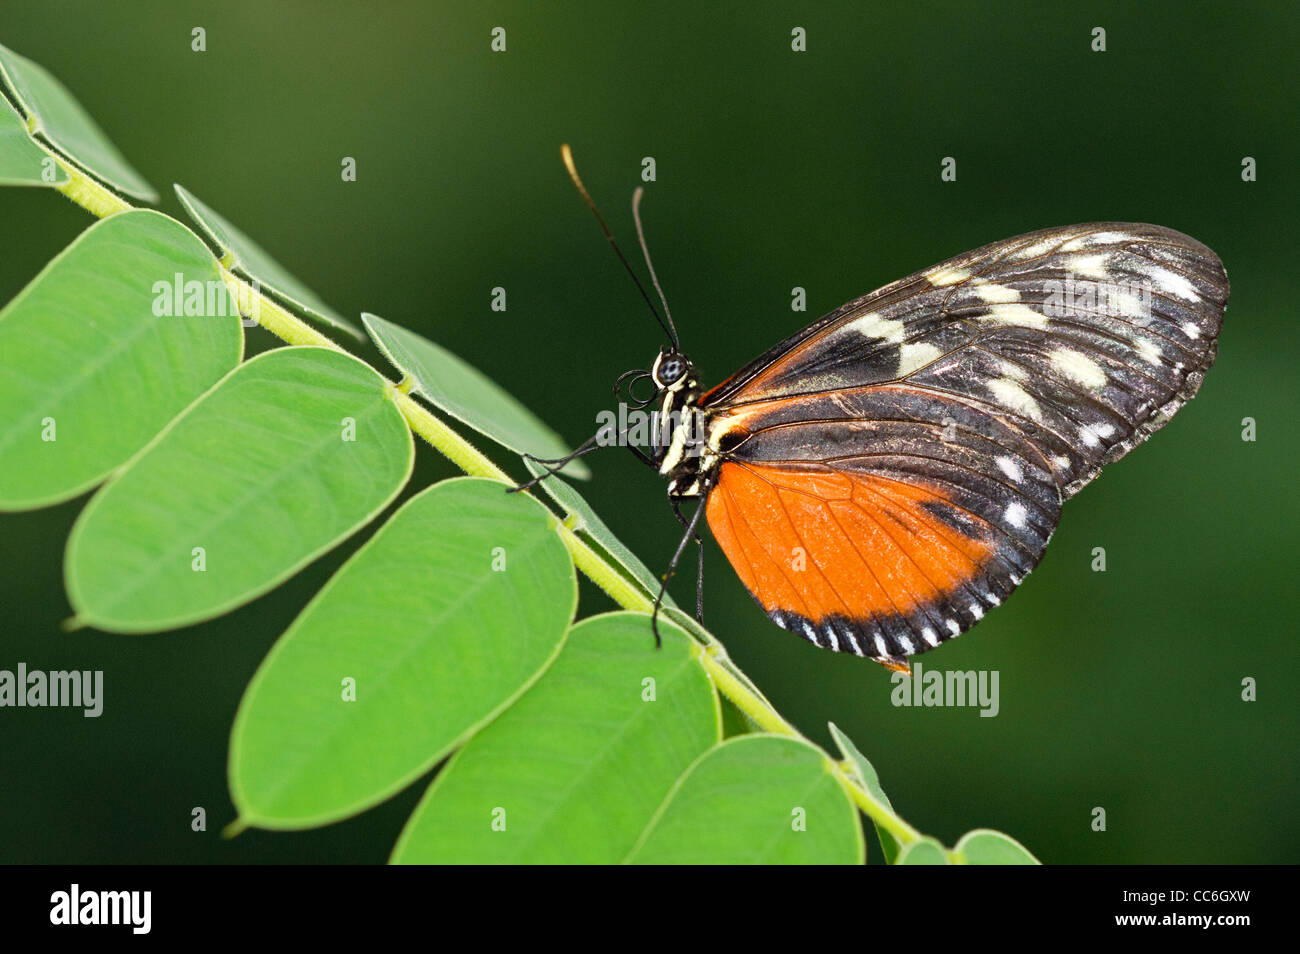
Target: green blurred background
820, 169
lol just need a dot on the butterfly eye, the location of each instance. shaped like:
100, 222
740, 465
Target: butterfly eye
671, 370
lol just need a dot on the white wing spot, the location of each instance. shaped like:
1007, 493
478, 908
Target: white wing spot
993, 600
1015, 514
1094, 434
998, 294
1078, 368
929, 636
912, 357
1011, 468
1149, 351
908, 646
877, 328
1062, 463
1015, 313
1125, 301
1015, 397
977, 611
835, 640
881, 650
1191, 330
1012, 370
1174, 283
1039, 248
948, 276
954, 627
1092, 266
1093, 239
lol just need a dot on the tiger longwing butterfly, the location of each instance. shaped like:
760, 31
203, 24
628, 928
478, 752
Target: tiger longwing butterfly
886, 476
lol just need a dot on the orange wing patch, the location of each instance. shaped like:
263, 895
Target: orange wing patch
856, 562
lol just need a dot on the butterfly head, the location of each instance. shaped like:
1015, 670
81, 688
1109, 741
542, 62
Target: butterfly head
672, 371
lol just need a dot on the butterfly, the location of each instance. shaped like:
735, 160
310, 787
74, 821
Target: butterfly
885, 477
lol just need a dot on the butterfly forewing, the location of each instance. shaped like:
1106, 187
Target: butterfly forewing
896, 469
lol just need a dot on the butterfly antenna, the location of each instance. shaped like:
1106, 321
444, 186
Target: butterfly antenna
567, 155
645, 250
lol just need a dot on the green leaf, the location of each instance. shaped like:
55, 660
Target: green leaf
454, 607
467, 394
866, 773
60, 119
927, 851
260, 474
590, 524
573, 771
245, 256
757, 799
984, 846
22, 162
89, 362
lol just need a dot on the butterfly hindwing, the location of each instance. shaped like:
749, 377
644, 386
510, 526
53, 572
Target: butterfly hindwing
926, 434
905, 533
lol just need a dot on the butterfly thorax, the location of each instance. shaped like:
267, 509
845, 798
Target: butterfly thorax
682, 451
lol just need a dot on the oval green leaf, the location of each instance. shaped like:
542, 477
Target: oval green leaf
588, 523
288, 455
927, 851
756, 799
100, 353
984, 846
467, 394
866, 773
59, 118
22, 162
245, 256
573, 771
454, 607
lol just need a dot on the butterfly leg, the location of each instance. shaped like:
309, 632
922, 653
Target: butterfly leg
556, 464
642, 456
699, 572
687, 537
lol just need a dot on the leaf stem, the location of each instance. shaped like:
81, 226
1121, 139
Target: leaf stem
745, 700
271, 315
879, 813
446, 441
620, 589
86, 192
